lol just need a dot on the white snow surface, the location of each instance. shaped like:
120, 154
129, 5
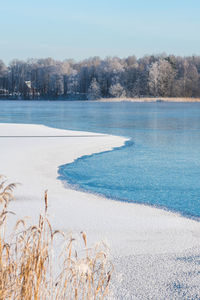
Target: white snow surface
155, 252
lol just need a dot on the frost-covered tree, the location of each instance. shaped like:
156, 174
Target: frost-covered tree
3, 75
117, 91
190, 79
154, 78
94, 91
2, 68
161, 78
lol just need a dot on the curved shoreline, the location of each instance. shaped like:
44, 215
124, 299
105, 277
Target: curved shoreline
74, 185
70, 183
63, 178
129, 228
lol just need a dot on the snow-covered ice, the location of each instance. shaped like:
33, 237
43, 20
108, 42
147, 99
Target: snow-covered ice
156, 253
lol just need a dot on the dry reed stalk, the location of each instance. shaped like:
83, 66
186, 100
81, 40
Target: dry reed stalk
28, 268
6, 190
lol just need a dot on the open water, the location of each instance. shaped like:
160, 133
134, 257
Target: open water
160, 165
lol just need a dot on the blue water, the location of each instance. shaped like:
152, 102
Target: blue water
159, 166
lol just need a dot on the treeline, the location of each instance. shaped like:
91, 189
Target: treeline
93, 78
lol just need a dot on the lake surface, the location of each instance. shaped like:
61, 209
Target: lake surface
159, 166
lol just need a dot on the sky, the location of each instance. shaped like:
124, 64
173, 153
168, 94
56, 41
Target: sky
79, 29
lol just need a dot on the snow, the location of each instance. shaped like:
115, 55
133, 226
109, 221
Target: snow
142, 240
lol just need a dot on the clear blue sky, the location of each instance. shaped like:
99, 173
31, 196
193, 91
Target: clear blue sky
82, 28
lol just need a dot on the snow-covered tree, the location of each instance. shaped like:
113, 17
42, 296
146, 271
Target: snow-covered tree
161, 78
3, 75
154, 79
117, 91
94, 91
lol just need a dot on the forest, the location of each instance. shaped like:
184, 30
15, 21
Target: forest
94, 78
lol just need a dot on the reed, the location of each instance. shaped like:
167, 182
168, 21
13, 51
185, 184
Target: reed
38, 262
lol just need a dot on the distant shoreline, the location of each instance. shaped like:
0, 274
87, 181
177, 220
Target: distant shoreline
149, 99
136, 100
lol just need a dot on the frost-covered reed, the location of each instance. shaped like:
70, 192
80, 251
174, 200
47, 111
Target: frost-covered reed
32, 266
